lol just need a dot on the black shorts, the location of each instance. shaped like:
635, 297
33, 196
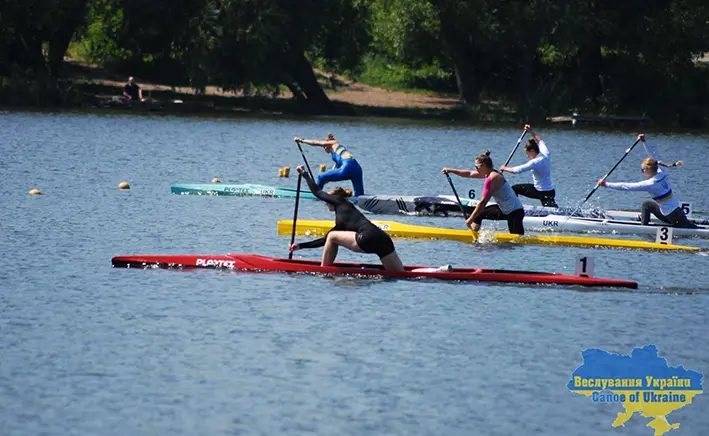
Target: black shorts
514, 219
528, 190
372, 239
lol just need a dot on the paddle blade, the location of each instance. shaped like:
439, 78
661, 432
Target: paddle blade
475, 236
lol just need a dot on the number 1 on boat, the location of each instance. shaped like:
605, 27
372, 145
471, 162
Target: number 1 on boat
584, 266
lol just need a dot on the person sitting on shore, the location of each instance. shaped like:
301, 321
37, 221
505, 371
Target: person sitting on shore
132, 91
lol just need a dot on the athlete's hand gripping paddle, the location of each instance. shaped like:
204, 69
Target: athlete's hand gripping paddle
460, 203
519, 141
295, 215
305, 160
627, 152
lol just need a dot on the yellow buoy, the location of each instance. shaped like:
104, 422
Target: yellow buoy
323, 168
123, 185
280, 172
286, 171
216, 180
35, 191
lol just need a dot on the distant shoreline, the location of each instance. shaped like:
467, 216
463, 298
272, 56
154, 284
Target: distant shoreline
91, 88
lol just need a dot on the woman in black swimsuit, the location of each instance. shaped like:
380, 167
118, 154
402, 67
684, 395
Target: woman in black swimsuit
352, 230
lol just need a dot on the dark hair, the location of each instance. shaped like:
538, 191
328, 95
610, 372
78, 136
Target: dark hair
531, 145
330, 137
484, 159
341, 192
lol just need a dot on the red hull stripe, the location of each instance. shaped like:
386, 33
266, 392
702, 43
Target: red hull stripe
254, 262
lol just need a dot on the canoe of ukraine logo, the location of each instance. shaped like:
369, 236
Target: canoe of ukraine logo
641, 382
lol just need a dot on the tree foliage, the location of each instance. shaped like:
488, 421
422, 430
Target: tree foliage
538, 56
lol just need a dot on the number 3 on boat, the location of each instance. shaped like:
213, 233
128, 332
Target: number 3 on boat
664, 235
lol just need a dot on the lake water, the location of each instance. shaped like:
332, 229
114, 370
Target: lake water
88, 349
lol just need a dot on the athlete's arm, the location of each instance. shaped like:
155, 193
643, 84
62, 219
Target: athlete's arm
543, 149
314, 243
322, 195
532, 164
471, 174
650, 152
491, 184
628, 186
315, 142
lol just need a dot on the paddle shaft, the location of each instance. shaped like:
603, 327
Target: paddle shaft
305, 160
519, 141
627, 152
462, 209
295, 214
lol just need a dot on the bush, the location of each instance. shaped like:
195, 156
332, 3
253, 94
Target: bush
378, 71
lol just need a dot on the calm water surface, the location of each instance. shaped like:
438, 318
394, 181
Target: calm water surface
87, 349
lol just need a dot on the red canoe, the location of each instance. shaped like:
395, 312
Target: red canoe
254, 262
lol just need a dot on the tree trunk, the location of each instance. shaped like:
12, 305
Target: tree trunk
589, 67
304, 76
460, 55
296, 91
74, 13
524, 87
58, 45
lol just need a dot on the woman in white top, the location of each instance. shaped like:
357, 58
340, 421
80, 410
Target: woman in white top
664, 204
508, 206
540, 166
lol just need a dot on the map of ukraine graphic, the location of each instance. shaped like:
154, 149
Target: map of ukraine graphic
644, 368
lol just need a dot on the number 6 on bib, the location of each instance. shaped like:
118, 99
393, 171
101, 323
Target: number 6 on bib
664, 235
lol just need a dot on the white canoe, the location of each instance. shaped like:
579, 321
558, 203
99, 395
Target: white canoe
446, 205
559, 223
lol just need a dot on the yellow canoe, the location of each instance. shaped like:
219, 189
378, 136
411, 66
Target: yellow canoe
319, 228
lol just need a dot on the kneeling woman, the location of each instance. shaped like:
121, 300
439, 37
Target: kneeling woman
352, 230
508, 206
663, 204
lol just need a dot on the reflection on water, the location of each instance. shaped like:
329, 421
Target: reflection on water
89, 349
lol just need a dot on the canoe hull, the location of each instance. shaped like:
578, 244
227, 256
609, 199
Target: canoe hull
245, 190
556, 223
257, 263
436, 205
319, 228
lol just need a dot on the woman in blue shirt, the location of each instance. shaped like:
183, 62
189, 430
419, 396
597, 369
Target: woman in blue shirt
345, 168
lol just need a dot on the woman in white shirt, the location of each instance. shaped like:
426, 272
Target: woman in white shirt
540, 166
664, 205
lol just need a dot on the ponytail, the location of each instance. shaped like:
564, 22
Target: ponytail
341, 192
